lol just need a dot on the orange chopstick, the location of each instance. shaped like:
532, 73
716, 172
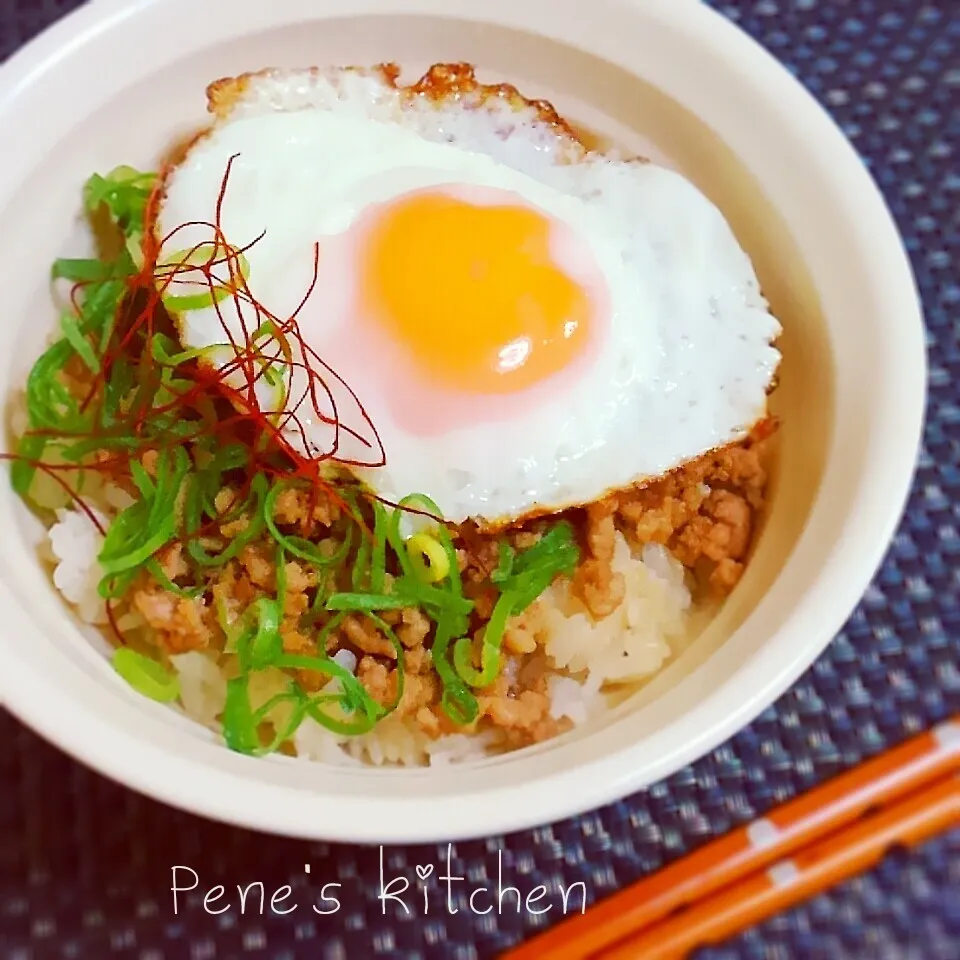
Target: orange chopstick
857, 848
723, 862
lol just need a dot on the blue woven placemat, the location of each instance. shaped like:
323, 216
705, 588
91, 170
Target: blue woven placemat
85, 865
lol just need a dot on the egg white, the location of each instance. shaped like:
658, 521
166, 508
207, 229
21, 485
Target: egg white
683, 368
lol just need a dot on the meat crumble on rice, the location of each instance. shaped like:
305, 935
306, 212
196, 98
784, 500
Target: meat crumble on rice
704, 513
645, 555
692, 529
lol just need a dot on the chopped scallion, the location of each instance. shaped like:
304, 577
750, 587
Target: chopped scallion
428, 557
146, 676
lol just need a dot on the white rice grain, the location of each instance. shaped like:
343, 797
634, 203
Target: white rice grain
203, 687
457, 748
75, 543
313, 741
394, 741
634, 640
575, 699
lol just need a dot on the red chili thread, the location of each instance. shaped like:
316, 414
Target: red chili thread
265, 433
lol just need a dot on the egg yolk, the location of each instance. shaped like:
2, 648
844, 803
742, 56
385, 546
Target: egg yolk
473, 291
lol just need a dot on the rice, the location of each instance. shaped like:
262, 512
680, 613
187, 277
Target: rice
622, 612
74, 544
582, 654
395, 741
458, 748
577, 700
203, 687
635, 640
314, 742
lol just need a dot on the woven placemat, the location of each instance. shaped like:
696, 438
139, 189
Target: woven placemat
85, 866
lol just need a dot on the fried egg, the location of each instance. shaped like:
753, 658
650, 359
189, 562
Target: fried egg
503, 321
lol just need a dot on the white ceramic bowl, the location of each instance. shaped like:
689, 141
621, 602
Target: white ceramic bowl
119, 80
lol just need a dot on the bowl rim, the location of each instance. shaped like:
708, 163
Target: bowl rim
160, 774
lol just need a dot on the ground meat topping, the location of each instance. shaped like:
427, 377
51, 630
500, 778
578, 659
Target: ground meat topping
413, 628
180, 623
305, 509
705, 513
226, 503
296, 642
299, 580
595, 582
521, 634
172, 561
725, 576
599, 587
524, 718
602, 529
419, 691
730, 537
366, 637
258, 565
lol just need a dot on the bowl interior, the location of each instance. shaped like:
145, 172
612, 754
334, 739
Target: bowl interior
644, 102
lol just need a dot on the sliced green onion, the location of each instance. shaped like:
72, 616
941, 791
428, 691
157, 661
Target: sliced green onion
118, 385
280, 563
507, 555
362, 602
325, 582
399, 547
298, 546
146, 676
362, 575
556, 550
439, 532
406, 594
284, 733
363, 725
457, 701
239, 727
354, 699
262, 648
146, 526
428, 557
529, 573
156, 571
142, 480
305, 550
125, 192
320, 663
183, 303
422, 507
161, 347
378, 559
233, 456
70, 326
459, 704
435, 598
114, 587
30, 449
84, 271
214, 290
49, 403
490, 648
193, 508
127, 543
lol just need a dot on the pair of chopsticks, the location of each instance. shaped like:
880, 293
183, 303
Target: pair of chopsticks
835, 831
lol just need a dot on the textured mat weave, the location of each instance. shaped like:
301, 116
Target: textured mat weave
85, 865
